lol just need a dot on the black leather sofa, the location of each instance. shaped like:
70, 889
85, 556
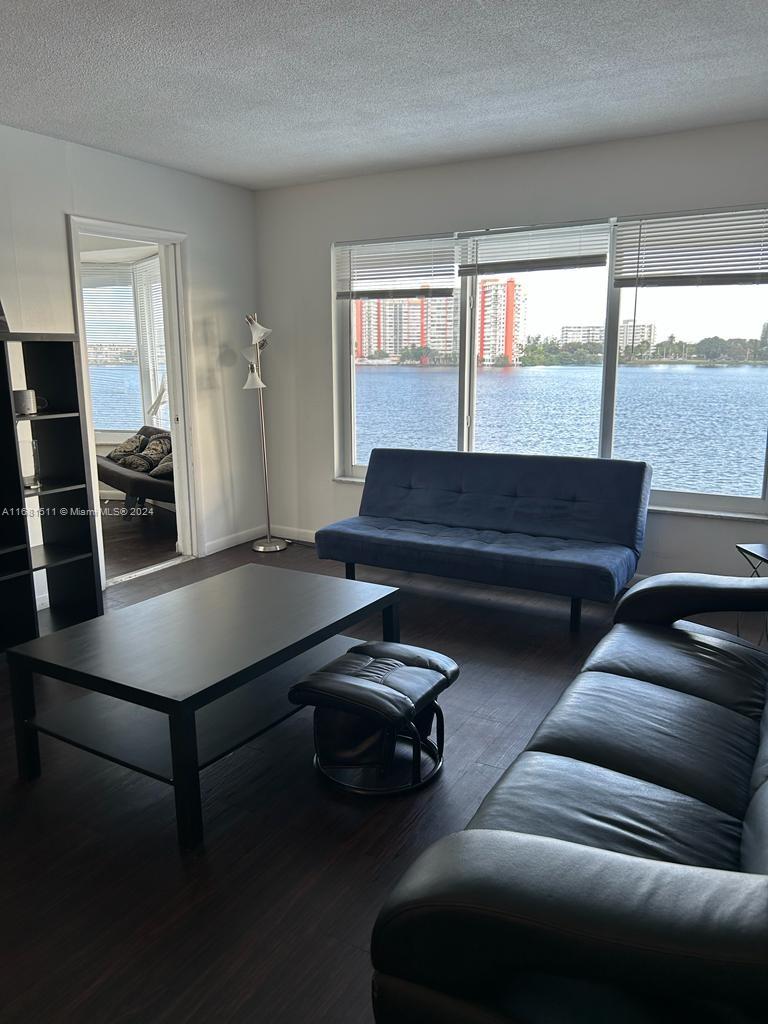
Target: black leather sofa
618, 871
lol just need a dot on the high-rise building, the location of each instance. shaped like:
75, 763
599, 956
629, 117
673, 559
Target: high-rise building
632, 335
581, 334
384, 328
390, 325
500, 322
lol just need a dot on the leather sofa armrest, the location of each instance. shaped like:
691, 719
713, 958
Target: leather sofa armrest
482, 905
661, 600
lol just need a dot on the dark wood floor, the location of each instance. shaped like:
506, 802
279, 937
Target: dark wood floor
104, 921
135, 541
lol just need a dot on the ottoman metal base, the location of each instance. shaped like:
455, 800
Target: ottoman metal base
370, 780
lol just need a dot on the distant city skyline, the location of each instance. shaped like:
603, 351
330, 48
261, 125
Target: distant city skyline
564, 306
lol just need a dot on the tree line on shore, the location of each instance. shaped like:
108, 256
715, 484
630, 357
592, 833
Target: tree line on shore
549, 352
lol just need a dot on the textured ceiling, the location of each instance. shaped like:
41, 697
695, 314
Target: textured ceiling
262, 93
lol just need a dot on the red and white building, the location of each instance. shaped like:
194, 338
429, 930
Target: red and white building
384, 328
500, 320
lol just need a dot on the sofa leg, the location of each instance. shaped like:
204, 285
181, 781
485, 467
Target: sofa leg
349, 568
575, 614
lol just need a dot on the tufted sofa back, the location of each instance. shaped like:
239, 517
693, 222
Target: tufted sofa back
754, 834
602, 500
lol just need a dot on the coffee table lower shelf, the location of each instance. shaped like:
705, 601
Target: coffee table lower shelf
139, 738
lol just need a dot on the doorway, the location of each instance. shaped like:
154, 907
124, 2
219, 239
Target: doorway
126, 287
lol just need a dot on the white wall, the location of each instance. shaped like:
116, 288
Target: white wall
295, 227
41, 180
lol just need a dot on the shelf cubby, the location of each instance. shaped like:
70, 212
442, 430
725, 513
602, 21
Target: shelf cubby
46, 556
14, 560
48, 530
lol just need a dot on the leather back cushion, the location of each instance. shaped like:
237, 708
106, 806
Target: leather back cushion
603, 500
754, 837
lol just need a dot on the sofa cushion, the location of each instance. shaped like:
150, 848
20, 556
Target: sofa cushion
662, 736
164, 468
552, 564
151, 455
596, 500
720, 670
131, 446
549, 795
754, 839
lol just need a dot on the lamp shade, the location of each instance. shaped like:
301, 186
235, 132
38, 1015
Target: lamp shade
253, 380
251, 353
258, 331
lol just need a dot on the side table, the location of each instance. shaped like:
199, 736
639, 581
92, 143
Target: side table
756, 556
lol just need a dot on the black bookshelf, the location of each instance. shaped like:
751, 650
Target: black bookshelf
67, 553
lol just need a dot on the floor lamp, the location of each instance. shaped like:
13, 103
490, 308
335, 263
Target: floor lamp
252, 355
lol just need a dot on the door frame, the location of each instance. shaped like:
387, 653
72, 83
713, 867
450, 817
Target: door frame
171, 248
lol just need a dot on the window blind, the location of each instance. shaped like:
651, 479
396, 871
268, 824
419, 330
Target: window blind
401, 269
500, 252
704, 248
108, 304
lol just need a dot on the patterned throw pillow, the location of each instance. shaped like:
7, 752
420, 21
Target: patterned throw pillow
130, 447
164, 468
155, 450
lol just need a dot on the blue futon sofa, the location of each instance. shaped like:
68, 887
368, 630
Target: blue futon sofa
559, 525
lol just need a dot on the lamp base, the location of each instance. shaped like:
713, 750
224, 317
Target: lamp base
266, 547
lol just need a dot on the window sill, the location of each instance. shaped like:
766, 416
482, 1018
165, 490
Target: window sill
349, 480
744, 517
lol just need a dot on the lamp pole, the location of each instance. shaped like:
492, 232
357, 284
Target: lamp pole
267, 544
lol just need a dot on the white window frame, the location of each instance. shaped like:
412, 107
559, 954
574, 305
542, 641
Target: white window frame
141, 297
346, 470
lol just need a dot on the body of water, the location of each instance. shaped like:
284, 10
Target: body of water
116, 398
701, 428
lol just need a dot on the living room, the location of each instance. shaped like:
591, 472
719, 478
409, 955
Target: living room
498, 411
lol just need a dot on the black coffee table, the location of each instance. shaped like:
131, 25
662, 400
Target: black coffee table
183, 679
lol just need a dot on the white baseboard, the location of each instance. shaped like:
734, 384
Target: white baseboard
293, 533
231, 540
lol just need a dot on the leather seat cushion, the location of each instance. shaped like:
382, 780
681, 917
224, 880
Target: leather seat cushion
672, 739
556, 565
391, 681
549, 795
728, 673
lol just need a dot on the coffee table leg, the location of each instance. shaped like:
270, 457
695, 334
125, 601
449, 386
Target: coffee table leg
186, 779
391, 623
23, 700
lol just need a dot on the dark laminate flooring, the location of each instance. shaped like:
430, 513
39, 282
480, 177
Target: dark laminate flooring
133, 542
104, 921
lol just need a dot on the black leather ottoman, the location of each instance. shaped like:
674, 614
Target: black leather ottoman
374, 712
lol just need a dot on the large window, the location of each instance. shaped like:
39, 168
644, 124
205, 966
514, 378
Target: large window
123, 313
692, 399
692, 385
539, 344
519, 341
400, 316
